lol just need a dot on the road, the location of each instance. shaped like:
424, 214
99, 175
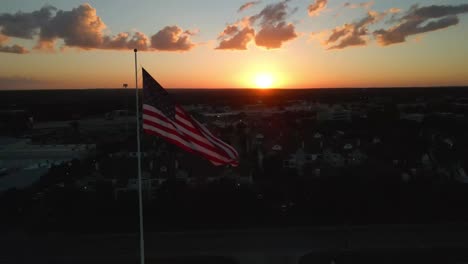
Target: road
288, 245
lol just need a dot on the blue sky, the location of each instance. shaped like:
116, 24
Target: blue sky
209, 16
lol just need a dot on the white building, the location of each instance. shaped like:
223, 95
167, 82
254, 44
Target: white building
24, 163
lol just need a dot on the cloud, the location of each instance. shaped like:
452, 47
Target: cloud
123, 41
232, 38
272, 14
82, 28
420, 20
229, 31
17, 49
269, 29
365, 5
394, 10
354, 34
248, 5
274, 30
273, 37
172, 38
317, 7
25, 25
11, 49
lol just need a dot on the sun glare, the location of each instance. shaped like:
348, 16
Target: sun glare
264, 81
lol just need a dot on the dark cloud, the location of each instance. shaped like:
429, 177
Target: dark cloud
248, 5
172, 38
354, 34
272, 14
435, 11
420, 20
274, 30
11, 49
17, 49
82, 28
25, 25
318, 6
233, 38
416, 20
365, 5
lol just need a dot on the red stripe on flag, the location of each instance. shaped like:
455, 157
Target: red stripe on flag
164, 118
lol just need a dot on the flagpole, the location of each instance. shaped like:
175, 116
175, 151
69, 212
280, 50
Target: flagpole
140, 200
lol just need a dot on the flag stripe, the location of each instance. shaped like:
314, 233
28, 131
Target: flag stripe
200, 146
206, 133
165, 118
154, 115
150, 130
188, 146
229, 150
179, 124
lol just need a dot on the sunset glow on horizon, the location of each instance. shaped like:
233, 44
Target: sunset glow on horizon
234, 44
264, 81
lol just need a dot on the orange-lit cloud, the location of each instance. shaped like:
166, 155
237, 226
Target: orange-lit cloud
354, 34
82, 28
273, 37
232, 38
394, 10
420, 20
273, 30
172, 38
17, 49
318, 6
123, 41
416, 20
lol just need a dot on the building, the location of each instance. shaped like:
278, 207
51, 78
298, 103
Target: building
299, 159
334, 113
24, 163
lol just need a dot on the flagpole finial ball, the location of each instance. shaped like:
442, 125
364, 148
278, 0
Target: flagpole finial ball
135, 50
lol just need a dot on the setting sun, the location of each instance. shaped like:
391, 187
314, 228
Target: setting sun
264, 80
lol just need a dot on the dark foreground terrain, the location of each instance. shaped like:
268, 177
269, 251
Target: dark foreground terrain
325, 176
360, 244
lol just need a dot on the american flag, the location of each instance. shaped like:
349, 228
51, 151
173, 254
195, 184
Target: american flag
165, 118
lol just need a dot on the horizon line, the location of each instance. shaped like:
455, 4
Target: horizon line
259, 89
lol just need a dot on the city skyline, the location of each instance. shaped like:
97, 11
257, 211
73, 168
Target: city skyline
234, 44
